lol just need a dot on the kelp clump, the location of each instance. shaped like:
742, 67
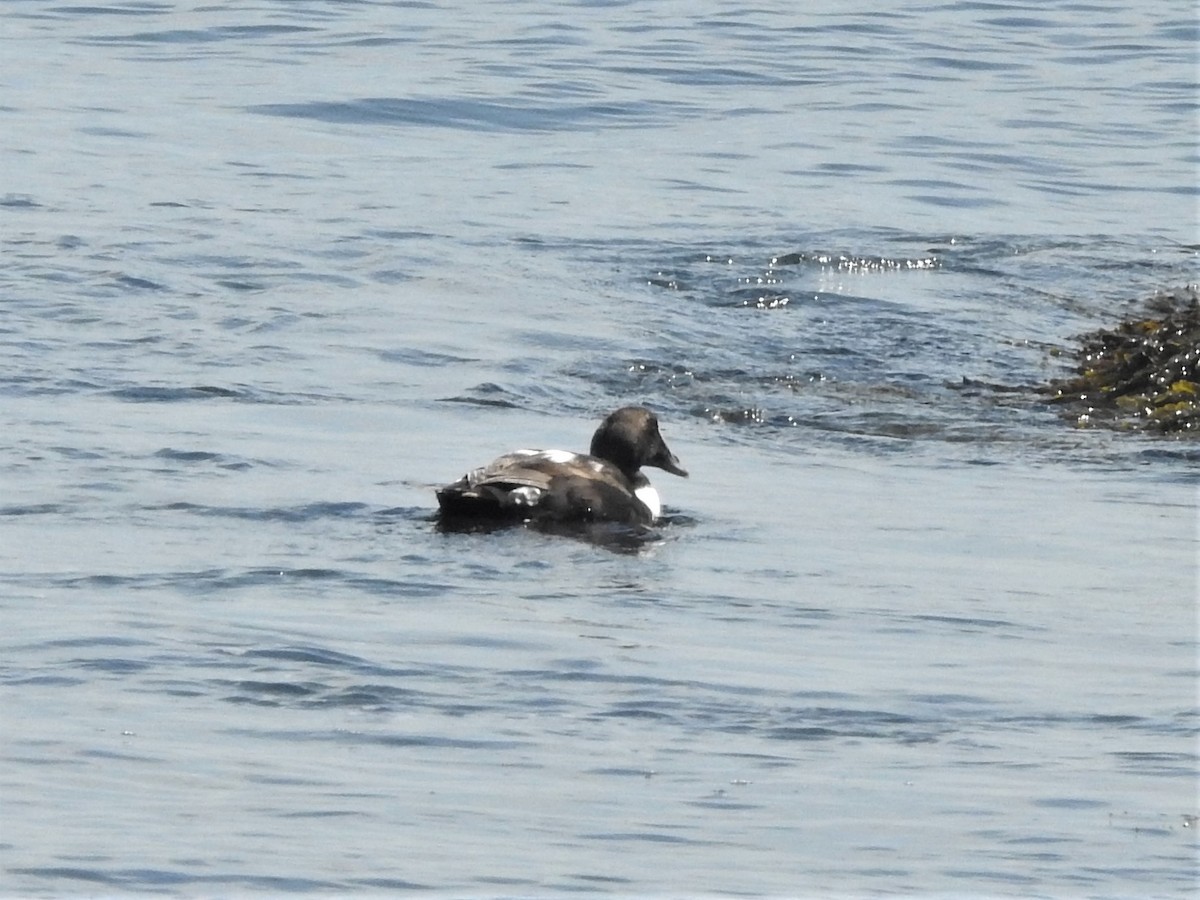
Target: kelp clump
1141, 375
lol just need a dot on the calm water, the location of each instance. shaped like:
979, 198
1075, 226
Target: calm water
271, 273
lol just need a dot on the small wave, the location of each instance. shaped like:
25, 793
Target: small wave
113, 666
153, 394
318, 655
35, 509
192, 36
304, 513
643, 837
384, 739
487, 394
210, 392
187, 455
472, 114
161, 879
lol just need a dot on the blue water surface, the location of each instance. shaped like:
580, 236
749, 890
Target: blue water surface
273, 272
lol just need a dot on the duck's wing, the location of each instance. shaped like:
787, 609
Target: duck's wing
510, 485
521, 468
564, 486
551, 483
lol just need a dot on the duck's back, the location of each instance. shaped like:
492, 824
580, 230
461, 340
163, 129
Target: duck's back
546, 484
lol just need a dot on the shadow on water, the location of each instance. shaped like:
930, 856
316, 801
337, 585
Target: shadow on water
615, 537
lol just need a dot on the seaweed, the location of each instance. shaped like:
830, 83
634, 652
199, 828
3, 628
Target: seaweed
1140, 375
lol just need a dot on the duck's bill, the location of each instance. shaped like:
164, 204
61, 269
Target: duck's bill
669, 462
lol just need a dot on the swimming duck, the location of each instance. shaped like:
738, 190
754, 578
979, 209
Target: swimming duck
604, 485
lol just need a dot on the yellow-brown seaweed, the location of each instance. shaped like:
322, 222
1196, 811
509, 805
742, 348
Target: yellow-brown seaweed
1143, 374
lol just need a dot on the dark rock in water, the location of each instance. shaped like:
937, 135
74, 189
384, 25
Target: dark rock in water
1141, 375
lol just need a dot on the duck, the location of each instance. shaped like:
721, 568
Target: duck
606, 484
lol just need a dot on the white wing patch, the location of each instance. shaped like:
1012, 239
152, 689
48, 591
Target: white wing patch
525, 496
560, 457
648, 495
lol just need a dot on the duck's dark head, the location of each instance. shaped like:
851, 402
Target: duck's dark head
629, 439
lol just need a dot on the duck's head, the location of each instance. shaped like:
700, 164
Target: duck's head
629, 439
